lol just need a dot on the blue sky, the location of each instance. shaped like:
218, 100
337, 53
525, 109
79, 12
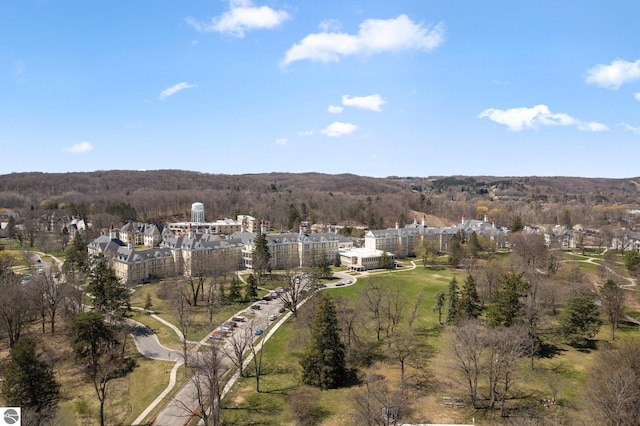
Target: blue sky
375, 88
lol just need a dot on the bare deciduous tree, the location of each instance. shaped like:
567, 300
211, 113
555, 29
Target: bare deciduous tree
612, 301
614, 388
207, 369
530, 248
50, 295
15, 303
256, 352
376, 404
469, 344
237, 345
505, 347
489, 278
296, 289
348, 318
371, 295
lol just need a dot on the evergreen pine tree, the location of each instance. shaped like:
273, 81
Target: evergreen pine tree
580, 321
77, 256
148, 303
452, 309
474, 244
517, 224
234, 290
507, 309
456, 248
252, 288
30, 383
469, 301
323, 360
109, 295
440, 299
261, 257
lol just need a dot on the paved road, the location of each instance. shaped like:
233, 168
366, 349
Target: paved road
148, 344
174, 413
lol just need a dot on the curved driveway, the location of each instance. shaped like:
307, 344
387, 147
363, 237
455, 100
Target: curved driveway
147, 343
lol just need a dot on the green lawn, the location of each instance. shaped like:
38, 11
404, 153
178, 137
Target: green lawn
198, 315
563, 369
281, 358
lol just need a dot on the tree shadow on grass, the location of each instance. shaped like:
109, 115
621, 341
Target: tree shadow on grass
549, 350
281, 391
351, 378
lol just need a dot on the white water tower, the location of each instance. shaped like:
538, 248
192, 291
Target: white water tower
197, 213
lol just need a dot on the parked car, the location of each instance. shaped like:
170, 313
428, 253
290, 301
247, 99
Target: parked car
230, 324
339, 283
249, 312
259, 331
272, 317
219, 334
238, 319
282, 309
256, 307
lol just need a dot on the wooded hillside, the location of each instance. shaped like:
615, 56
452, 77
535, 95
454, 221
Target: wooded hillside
286, 198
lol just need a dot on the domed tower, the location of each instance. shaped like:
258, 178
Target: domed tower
197, 213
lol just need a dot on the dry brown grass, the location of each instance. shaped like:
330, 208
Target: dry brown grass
127, 396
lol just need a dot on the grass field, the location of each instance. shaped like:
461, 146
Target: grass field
562, 371
282, 353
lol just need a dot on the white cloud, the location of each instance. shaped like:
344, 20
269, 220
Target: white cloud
329, 25
282, 141
170, 91
374, 36
81, 147
242, 16
306, 132
335, 109
631, 128
540, 115
614, 75
637, 96
592, 126
371, 102
337, 129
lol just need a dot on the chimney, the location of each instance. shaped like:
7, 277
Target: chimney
415, 221
130, 244
301, 230
424, 221
263, 227
486, 218
493, 224
397, 224
191, 233
463, 219
112, 233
